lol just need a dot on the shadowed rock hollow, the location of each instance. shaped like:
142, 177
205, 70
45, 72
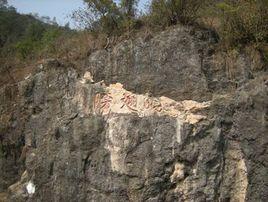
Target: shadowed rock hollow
163, 119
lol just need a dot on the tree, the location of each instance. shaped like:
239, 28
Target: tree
105, 16
129, 7
3, 3
99, 16
54, 21
5, 7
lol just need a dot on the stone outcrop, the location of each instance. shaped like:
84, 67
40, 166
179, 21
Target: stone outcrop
149, 120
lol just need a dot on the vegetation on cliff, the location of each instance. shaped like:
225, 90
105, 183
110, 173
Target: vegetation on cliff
25, 38
237, 23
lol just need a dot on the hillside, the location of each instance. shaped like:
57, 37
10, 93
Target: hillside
25, 39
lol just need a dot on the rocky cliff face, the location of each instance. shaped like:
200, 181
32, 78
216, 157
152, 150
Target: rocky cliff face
160, 119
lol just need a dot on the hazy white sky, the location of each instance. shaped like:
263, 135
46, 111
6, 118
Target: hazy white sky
53, 8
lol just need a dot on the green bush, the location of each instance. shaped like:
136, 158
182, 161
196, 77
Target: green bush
31, 41
25, 48
37, 40
170, 12
243, 22
49, 39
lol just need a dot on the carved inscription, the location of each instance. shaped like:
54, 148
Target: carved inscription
129, 101
118, 100
105, 102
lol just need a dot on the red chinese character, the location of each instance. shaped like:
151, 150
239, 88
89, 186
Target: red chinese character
129, 100
157, 106
148, 103
105, 102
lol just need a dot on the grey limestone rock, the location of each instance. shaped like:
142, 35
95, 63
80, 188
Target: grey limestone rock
175, 129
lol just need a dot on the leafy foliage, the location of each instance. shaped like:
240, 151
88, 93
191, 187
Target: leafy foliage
105, 16
128, 8
100, 15
170, 12
243, 21
3, 3
24, 35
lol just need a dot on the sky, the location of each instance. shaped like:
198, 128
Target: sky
53, 8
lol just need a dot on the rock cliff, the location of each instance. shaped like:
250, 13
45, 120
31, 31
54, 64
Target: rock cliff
160, 119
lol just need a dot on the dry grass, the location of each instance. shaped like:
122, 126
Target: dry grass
74, 47
3, 197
